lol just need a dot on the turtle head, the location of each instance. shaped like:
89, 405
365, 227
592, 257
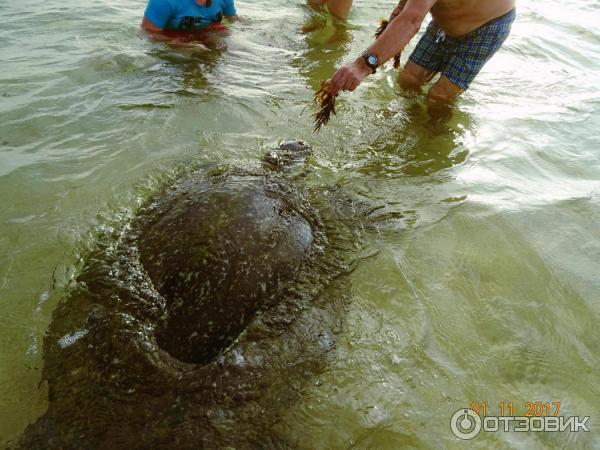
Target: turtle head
287, 154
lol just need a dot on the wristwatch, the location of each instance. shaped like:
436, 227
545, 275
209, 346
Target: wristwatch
371, 60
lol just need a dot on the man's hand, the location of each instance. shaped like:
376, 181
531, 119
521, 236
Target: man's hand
349, 76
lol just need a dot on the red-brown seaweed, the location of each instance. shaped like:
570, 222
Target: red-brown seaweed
326, 106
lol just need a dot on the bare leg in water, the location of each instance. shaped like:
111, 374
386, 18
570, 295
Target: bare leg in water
441, 95
339, 8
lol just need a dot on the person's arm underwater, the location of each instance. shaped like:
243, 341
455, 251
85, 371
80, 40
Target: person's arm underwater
157, 33
162, 35
395, 37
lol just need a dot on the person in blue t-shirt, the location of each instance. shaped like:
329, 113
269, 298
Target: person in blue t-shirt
171, 17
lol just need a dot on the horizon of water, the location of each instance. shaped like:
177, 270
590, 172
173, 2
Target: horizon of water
486, 284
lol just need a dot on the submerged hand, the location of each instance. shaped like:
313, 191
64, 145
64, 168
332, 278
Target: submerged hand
349, 77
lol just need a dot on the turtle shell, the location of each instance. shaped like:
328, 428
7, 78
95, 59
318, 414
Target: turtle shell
196, 322
219, 249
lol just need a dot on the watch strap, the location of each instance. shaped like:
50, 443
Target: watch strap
366, 55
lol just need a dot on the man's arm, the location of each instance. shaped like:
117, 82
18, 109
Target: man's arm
401, 30
395, 37
398, 9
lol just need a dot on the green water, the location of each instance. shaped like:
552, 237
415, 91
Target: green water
486, 286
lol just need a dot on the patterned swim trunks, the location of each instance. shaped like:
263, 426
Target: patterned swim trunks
461, 58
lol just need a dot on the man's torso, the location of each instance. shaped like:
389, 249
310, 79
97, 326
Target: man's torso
459, 17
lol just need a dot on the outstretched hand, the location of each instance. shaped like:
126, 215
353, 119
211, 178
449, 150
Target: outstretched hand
348, 77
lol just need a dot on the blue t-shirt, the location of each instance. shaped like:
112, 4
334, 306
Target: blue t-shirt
187, 14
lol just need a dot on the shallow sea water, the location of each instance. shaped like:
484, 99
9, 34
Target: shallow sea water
486, 286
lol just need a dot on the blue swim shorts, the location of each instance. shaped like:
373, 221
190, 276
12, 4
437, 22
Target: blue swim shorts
461, 58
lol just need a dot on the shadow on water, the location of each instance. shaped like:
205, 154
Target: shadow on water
411, 143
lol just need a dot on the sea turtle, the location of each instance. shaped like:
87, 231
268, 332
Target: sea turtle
199, 321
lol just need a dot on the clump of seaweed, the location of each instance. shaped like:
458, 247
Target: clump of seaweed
326, 106
383, 23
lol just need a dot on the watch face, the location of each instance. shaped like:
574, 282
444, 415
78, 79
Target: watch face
372, 59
